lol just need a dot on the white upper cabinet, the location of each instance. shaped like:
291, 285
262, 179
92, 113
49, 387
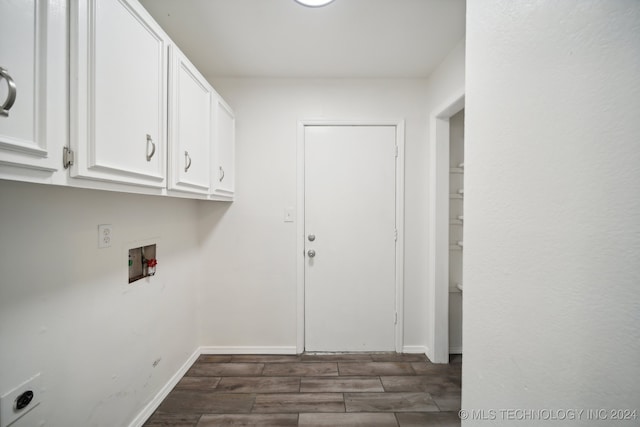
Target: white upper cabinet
223, 172
94, 94
33, 91
118, 66
190, 126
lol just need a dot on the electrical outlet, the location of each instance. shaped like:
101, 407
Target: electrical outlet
26, 396
105, 235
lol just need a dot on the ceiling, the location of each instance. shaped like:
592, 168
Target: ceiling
280, 38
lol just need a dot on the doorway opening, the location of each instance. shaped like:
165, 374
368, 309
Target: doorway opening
440, 192
456, 230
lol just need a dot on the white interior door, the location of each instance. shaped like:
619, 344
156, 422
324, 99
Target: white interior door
349, 205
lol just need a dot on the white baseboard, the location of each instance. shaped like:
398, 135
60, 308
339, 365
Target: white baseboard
164, 391
248, 350
415, 349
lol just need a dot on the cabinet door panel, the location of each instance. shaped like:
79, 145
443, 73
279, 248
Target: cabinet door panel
190, 126
19, 46
224, 173
28, 40
119, 104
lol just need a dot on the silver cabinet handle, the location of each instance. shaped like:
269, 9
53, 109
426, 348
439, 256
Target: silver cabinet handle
311, 253
11, 96
311, 237
221, 174
153, 148
187, 161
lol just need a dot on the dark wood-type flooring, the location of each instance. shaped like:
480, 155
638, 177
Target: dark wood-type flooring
355, 389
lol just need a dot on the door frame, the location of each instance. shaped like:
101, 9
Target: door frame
300, 238
438, 348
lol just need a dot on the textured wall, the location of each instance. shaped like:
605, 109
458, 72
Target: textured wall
552, 207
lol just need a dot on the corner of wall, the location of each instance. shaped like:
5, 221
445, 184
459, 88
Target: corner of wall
150, 408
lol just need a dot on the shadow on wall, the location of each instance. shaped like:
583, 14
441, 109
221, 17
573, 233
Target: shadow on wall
210, 215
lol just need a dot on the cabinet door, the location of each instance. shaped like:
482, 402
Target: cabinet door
190, 123
118, 93
223, 178
33, 61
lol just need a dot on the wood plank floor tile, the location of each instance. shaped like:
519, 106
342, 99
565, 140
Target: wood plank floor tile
256, 420
259, 385
375, 368
419, 383
311, 389
444, 373
213, 358
198, 383
199, 402
452, 372
447, 401
389, 402
316, 369
425, 368
299, 402
348, 420
340, 384
225, 369
249, 358
165, 419
431, 419
457, 379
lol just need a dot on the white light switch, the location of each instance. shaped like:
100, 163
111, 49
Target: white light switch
288, 214
105, 235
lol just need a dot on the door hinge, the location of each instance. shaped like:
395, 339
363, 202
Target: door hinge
395, 319
395, 235
67, 157
396, 151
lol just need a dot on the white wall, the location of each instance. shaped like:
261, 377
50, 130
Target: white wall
67, 311
552, 207
251, 299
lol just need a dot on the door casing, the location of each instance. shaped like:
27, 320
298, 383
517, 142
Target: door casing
438, 237
300, 237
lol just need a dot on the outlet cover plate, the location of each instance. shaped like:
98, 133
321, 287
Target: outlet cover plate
8, 412
105, 235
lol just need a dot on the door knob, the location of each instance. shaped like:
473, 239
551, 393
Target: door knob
311, 253
311, 237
